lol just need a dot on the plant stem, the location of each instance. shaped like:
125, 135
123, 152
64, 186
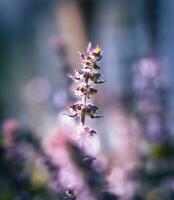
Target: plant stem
84, 101
82, 117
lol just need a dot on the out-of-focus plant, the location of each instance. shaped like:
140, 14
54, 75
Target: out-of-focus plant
62, 96
155, 173
26, 170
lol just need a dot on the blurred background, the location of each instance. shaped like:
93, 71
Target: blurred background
39, 41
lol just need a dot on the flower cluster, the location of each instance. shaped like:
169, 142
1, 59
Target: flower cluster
152, 105
89, 109
151, 88
86, 78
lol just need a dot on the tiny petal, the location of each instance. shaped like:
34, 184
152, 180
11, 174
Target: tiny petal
100, 82
97, 50
97, 116
89, 131
89, 48
82, 56
70, 115
88, 160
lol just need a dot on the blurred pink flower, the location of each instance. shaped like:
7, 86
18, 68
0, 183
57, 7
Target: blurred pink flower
9, 126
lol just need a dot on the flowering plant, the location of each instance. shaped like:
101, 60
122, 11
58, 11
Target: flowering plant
86, 78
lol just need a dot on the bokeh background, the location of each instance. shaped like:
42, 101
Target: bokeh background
39, 41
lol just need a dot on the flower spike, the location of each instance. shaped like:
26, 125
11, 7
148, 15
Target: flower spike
87, 77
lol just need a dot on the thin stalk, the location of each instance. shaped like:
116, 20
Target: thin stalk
82, 117
84, 102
